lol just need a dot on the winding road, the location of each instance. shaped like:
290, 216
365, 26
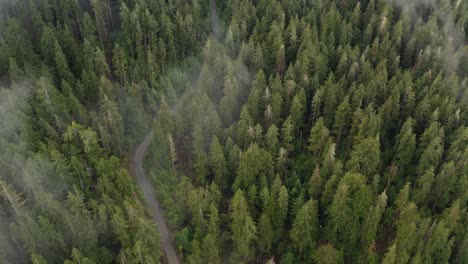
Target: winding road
150, 199
147, 188
215, 19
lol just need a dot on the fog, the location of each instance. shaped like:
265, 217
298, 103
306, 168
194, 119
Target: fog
451, 35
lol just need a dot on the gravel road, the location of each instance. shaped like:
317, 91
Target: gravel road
151, 202
146, 187
215, 19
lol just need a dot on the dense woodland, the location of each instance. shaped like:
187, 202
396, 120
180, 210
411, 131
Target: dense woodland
325, 131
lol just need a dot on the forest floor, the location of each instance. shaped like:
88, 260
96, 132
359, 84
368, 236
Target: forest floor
150, 199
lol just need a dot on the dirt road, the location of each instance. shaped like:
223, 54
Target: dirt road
147, 189
215, 19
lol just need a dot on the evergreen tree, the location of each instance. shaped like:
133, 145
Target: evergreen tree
318, 138
373, 218
365, 157
406, 144
11, 197
390, 256
315, 184
244, 231
350, 208
271, 139
265, 234
211, 241
218, 163
255, 168
341, 119
327, 254
380, 85
305, 227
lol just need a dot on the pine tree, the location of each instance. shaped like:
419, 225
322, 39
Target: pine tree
381, 90
407, 230
390, 256
276, 105
100, 18
278, 208
165, 117
12, 197
341, 119
265, 235
101, 68
243, 126
423, 187
280, 60
119, 62
211, 241
218, 164
78, 258
431, 156
365, 157
196, 256
406, 144
315, 187
230, 100
373, 219
37, 259
433, 132
259, 59
327, 254
333, 93
172, 152
349, 208
14, 72
201, 168
287, 133
318, 138
298, 109
243, 228
281, 211
439, 244
328, 161
48, 44
256, 91
305, 227
271, 139
61, 63
255, 168
112, 122
233, 158
444, 185
331, 184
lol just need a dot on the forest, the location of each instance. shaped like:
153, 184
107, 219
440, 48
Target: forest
279, 131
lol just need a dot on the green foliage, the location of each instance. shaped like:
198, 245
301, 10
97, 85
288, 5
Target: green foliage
244, 231
318, 138
365, 157
327, 254
255, 169
77, 258
406, 144
305, 227
218, 164
349, 208
304, 131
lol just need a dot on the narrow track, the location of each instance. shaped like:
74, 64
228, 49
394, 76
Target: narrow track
215, 19
145, 186
151, 202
